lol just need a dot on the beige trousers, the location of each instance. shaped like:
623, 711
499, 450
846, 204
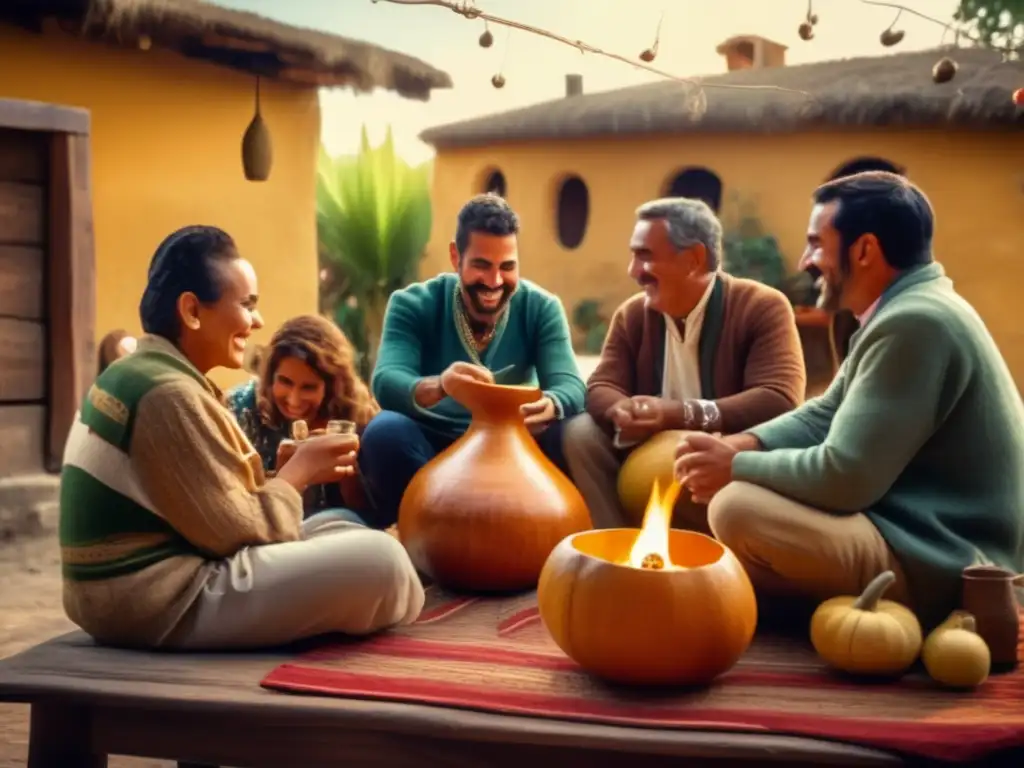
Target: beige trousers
792, 550
341, 577
594, 464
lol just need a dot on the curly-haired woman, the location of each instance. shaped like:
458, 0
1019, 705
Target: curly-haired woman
307, 372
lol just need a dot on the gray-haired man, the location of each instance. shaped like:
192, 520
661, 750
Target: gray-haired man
697, 349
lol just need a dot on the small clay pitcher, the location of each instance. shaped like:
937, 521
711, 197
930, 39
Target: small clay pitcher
988, 595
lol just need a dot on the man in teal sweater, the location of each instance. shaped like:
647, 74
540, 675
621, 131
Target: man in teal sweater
912, 461
482, 322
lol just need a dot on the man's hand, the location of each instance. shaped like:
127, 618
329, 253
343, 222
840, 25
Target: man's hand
538, 413
638, 418
704, 465
704, 462
457, 375
433, 389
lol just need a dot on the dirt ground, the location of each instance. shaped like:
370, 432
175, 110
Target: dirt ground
30, 612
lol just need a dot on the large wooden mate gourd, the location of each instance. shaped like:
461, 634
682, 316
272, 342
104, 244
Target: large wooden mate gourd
484, 514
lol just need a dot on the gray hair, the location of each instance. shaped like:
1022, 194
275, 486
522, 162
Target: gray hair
688, 222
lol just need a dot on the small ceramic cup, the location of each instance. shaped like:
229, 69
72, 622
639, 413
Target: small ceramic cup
989, 596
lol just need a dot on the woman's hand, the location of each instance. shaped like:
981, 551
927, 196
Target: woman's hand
322, 459
285, 450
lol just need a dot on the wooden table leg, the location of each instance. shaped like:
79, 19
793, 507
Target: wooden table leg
60, 736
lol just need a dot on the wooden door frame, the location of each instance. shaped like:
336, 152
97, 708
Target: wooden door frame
70, 268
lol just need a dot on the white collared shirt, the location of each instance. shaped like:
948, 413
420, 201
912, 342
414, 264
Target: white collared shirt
681, 377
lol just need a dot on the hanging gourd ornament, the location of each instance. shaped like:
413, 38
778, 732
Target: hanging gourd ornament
650, 607
257, 147
866, 634
945, 69
955, 654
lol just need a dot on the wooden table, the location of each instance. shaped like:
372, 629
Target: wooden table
208, 709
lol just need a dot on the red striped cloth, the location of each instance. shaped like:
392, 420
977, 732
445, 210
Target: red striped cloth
494, 655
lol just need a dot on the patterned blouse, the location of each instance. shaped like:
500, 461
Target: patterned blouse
241, 401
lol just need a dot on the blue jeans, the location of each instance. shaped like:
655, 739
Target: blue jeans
394, 447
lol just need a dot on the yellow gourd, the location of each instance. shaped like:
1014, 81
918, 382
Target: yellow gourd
650, 462
867, 635
955, 655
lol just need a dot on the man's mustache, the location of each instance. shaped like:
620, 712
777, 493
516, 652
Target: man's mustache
476, 288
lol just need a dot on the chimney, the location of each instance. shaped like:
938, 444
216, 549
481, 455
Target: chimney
573, 85
752, 52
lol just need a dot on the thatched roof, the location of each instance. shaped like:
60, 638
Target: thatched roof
235, 39
875, 91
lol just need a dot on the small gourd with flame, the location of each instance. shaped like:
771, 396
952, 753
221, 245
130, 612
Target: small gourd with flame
654, 607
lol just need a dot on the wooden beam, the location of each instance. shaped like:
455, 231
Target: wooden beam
22, 214
72, 286
23, 156
38, 116
22, 361
21, 282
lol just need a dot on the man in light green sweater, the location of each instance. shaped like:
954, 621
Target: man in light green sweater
912, 461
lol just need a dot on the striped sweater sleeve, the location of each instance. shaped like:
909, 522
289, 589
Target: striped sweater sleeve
204, 477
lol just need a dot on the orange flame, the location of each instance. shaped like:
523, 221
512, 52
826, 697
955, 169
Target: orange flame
653, 536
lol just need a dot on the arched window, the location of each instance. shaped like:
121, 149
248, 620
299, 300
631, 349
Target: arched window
573, 211
699, 183
494, 183
861, 164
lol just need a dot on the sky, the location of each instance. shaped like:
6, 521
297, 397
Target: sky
535, 67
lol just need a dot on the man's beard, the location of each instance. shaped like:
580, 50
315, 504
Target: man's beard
831, 297
829, 287
473, 291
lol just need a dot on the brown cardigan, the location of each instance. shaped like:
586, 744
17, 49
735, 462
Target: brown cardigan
751, 359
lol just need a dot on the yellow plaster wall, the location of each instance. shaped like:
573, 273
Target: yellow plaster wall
166, 138
974, 180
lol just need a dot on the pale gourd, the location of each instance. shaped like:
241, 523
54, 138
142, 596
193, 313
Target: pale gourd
866, 634
955, 654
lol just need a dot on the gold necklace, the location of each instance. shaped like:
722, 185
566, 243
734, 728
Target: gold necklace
473, 345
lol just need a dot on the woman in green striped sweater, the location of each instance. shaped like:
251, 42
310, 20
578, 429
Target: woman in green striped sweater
171, 535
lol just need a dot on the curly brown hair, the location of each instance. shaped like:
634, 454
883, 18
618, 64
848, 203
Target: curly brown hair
322, 346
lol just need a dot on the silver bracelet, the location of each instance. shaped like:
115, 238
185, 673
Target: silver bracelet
701, 414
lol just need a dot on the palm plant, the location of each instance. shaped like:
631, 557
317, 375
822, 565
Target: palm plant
373, 223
